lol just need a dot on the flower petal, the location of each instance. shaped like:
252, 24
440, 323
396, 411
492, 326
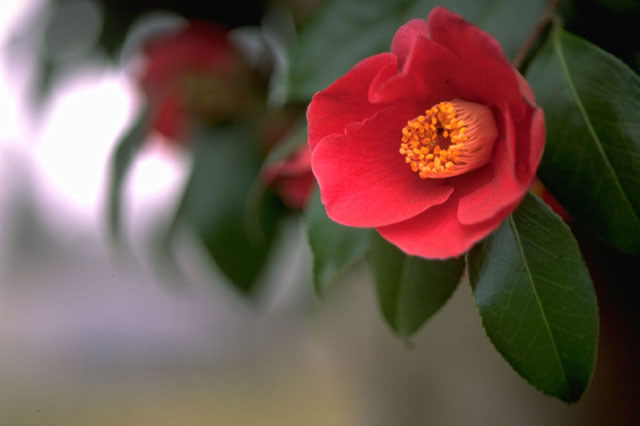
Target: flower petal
405, 38
537, 134
525, 89
427, 74
486, 76
530, 134
501, 186
346, 100
364, 180
437, 234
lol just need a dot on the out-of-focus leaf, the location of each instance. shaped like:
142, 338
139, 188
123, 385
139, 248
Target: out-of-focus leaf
340, 35
121, 159
334, 247
537, 301
225, 166
290, 143
592, 156
347, 31
45, 79
411, 289
279, 34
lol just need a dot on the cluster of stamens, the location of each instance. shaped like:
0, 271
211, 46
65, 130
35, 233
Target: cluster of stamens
441, 143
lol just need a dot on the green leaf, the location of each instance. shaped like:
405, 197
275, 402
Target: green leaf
225, 166
343, 33
346, 31
537, 301
334, 247
411, 289
121, 160
289, 144
591, 162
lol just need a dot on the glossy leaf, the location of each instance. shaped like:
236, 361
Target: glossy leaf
215, 204
536, 300
411, 289
334, 247
119, 164
592, 156
347, 31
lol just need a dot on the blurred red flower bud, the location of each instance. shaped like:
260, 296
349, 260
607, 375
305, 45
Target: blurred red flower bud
193, 74
292, 178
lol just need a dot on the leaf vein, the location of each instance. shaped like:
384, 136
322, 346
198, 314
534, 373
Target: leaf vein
587, 120
525, 263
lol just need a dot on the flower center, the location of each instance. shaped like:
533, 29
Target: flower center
450, 139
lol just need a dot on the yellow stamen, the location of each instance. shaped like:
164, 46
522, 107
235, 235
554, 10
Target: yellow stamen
450, 139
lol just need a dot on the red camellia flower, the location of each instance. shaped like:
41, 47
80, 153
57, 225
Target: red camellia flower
432, 144
192, 73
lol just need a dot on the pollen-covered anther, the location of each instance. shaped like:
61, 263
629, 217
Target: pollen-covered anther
450, 139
